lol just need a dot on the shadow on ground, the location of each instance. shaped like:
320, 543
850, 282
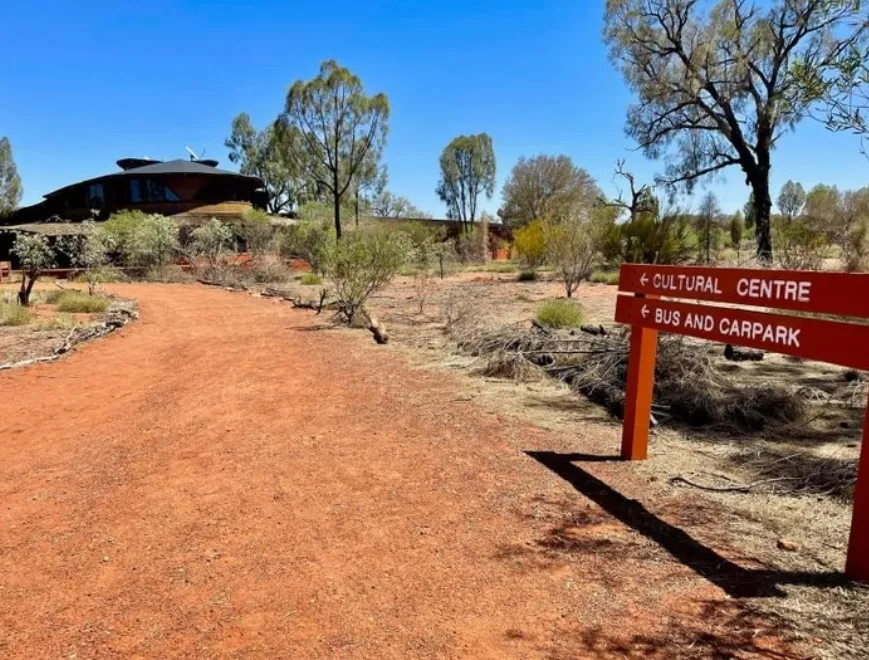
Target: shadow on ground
735, 580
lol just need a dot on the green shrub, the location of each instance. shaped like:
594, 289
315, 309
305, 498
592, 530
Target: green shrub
530, 243
311, 279
559, 314
528, 276
270, 268
311, 240
141, 240
255, 230
210, 241
604, 277
48, 297
35, 254
14, 314
362, 263
76, 302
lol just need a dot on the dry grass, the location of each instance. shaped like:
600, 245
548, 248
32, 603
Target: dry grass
76, 302
13, 314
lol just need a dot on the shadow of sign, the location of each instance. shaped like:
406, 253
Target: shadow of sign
736, 581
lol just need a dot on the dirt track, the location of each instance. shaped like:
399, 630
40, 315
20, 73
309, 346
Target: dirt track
220, 479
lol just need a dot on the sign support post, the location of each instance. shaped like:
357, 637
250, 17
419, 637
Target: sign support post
638, 392
857, 564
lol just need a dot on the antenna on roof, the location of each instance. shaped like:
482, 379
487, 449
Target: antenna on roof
192, 153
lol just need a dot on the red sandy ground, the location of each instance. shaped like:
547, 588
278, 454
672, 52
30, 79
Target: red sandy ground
222, 479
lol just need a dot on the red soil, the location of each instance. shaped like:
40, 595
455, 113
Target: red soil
220, 479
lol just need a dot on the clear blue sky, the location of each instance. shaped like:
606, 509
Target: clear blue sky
85, 83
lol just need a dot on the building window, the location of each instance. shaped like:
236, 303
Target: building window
150, 190
96, 196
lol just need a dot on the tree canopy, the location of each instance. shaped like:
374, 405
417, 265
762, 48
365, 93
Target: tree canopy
547, 187
791, 199
10, 182
338, 129
467, 171
719, 83
262, 154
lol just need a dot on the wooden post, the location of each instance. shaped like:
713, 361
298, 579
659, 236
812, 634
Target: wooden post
857, 564
638, 392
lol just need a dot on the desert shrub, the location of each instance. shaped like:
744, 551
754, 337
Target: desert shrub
90, 250
311, 240
311, 279
798, 246
48, 297
143, 241
14, 314
648, 239
571, 249
528, 276
361, 263
77, 302
530, 243
255, 229
35, 255
270, 268
58, 322
604, 277
210, 242
173, 274
558, 314
855, 251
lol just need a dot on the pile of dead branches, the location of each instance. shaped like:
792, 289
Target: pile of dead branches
594, 362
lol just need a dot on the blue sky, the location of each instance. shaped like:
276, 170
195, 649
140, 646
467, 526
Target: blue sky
83, 84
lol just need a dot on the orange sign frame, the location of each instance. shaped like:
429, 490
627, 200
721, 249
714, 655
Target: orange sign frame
840, 343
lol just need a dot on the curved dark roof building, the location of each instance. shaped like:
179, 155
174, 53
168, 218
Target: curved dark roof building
188, 188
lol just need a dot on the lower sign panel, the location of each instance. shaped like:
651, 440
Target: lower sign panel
828, 341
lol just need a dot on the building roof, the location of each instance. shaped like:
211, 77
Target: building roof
178, 166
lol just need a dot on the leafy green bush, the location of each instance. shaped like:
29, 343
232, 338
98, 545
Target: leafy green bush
311, 279
604, 277
35, 255
91, 250
558, 314
362, 263
270, 268
311, 240
211, 241
255, 230
14, 314
530, 243
77, 302
143, 241
528, 276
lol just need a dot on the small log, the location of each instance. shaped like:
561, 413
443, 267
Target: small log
596, 330
735, 354
379, 331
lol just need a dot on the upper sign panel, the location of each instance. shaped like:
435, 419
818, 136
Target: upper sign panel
846, 294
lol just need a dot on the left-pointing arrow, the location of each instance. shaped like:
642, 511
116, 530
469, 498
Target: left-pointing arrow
644, 279
645, 311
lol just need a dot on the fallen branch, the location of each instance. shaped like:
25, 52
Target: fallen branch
733, 488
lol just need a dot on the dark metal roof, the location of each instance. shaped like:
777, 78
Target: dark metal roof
179, 166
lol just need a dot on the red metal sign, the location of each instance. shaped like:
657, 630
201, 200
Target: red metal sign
846, 294
828, 341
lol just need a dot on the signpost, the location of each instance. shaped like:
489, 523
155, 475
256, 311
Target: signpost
840, 343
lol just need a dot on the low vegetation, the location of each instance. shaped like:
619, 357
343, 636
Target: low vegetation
559, 314
311, 279
13, 313
76, 302
604, 277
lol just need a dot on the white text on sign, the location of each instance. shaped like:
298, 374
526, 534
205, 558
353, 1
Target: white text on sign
746, 287
774, 333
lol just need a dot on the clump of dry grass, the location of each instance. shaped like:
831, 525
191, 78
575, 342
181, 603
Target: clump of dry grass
688, 385
512, 366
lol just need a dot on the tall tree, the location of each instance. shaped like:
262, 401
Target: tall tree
737, 227
707, 227
467, 171
720, 82
387, 205
749, 212
791, 200
10, 182
339, 128
547, 187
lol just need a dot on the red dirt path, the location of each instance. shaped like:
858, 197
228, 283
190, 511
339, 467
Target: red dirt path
221, 480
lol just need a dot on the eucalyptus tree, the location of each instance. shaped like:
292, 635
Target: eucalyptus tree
791, 200
547, 187
338, 129
467, 171
720, 82
10, 182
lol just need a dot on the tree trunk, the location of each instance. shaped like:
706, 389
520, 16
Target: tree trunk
762, 212
337, 205
357, 207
